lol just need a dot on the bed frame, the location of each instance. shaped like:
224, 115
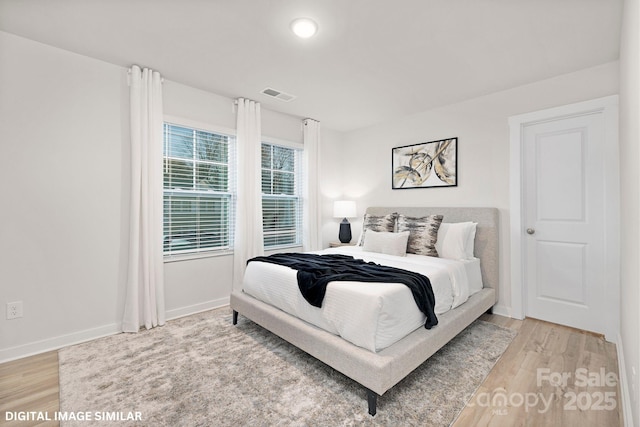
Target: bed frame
378, 372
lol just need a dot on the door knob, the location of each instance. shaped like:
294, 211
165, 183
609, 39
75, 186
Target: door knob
530, 231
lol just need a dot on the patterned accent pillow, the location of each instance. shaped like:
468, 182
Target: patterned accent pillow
386, 223
423, 233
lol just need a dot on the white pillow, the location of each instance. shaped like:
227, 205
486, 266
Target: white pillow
471, 240
386, 243
456, 240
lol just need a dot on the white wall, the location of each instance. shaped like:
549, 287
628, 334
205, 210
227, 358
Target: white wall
629, 342
62, 130
364, 163
64, 168
331, 182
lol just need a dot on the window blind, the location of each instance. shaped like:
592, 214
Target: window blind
198, 190
281, 195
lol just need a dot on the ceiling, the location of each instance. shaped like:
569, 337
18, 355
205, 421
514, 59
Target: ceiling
371, 61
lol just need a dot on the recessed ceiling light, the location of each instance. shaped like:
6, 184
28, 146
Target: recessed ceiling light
304, 27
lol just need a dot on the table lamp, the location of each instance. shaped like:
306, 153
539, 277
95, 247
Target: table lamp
344, 209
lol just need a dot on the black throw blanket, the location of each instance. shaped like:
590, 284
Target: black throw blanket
316, 271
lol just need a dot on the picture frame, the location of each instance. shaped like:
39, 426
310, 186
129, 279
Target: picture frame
425, 165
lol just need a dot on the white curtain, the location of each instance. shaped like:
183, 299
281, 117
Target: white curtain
248, 232
144, 304
311, 239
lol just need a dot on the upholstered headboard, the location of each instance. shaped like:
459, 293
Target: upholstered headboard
487, 233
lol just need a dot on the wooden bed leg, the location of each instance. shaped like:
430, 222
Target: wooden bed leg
372, 399
235, 317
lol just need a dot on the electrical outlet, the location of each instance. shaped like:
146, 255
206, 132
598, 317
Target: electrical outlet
14, 310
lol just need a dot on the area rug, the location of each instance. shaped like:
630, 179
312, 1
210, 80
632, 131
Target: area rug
201, 370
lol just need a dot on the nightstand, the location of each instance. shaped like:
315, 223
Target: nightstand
337, 244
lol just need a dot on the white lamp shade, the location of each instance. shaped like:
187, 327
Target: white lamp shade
344, 209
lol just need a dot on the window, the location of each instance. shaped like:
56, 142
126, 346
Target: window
281, 195
198, 190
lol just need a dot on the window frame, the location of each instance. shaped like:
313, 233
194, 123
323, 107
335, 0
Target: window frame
299, 174
231, 177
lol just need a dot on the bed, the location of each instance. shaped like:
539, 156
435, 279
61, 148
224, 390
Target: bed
379, 369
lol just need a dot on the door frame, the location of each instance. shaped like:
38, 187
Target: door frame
609, 107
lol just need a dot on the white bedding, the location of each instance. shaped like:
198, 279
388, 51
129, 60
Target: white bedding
370, 315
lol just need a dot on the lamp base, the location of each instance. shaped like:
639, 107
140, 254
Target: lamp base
345, 231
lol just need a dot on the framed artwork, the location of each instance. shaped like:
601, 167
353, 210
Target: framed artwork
425, 165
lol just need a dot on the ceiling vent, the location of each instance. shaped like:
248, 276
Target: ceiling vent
278, 95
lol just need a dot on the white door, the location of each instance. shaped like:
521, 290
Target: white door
564, 221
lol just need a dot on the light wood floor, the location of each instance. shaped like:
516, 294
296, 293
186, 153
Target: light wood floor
532, 369
30, 384
539, 353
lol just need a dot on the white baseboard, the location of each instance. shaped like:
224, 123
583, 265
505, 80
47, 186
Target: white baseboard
55, 343
625, 395
501, 310
197, 308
